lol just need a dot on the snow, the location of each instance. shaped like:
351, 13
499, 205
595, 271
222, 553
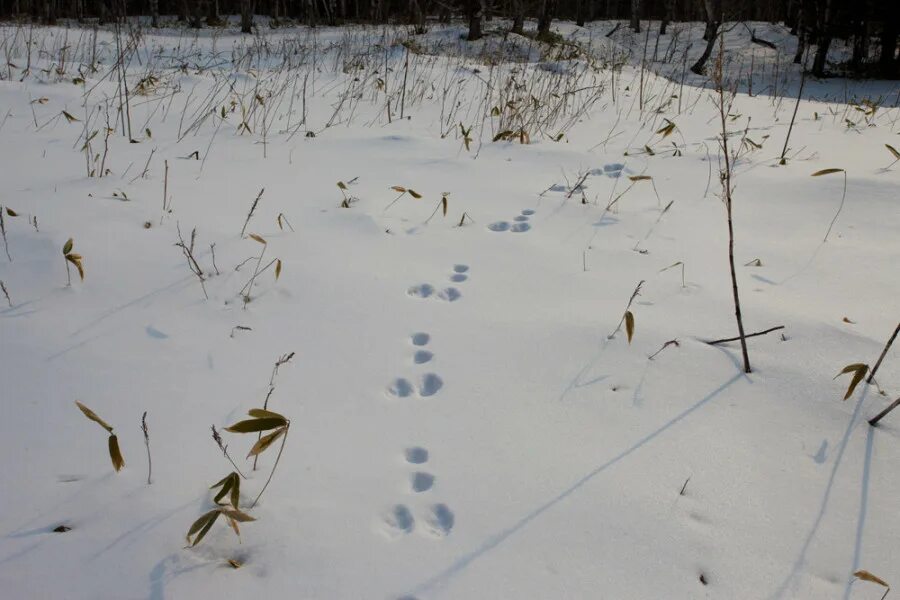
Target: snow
462, 425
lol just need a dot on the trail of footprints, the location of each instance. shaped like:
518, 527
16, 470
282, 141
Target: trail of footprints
520, 223
438, 519
447, 294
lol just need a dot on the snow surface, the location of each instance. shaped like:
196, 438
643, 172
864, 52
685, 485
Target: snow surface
462, 425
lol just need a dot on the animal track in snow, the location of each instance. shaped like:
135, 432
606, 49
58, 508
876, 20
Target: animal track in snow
520, 223
420, 339
450, 294
421, 291
416, 455
422, 356
400, 388
429, 385
421, 481
440, 520
398, 521
612, 170
459, 273
426, 290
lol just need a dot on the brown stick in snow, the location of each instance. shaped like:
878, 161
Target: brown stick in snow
749, 335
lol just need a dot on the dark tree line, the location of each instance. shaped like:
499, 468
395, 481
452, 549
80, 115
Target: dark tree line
871, 27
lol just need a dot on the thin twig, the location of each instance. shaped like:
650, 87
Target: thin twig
287, 429
874, 420
147, 443
252, 208
883, 353
218, 439
749, 335
634, 294
5, 293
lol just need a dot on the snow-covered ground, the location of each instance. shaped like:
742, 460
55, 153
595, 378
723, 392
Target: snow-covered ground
462, 425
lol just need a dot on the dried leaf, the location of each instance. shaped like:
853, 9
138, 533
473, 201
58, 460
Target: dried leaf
237, 515
414, 194
826, 172
262, 413
221, 481
667, 130
202, 525
114, 454
67, 247
75, 259
11, 212
639, 177
233, 524
671, 266
896, 154
629, 325
859, 371
265, 441
866, 576
69, 117
342, 185
235, 563
258, 238
399, 189
444, 204
277, 269
93, 416
254, 425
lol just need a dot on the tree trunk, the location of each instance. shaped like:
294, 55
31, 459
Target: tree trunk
247, 16
712, 29
581, 12
518, 10
417, 16
212, 12
546, 18
636, 15
888, 64
154, 13
473, 11
667, 17
823, 43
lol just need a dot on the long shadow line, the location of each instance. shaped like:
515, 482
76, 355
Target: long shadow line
863, 509
497, 539
801, 557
